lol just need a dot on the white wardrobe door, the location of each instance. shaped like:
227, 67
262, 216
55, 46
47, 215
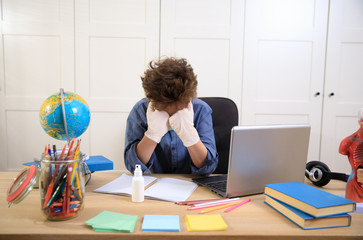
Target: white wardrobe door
114, 39
37, 59
344, 80
209, 34
284, 56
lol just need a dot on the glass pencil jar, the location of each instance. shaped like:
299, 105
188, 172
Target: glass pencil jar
62, 187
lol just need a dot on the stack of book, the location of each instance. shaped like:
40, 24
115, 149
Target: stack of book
309, 207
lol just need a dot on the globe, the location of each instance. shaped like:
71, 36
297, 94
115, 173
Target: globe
76, 111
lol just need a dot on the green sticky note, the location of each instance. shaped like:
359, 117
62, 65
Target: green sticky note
113, 222
106, 230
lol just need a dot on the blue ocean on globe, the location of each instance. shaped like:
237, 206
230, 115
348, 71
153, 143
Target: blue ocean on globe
77, 116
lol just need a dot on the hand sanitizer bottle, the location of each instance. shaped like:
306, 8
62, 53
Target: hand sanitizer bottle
138, 185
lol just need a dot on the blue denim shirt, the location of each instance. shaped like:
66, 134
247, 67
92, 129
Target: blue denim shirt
170, 155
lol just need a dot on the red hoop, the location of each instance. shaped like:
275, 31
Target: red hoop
32, 171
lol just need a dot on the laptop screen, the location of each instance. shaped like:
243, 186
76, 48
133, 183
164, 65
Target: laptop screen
261, 155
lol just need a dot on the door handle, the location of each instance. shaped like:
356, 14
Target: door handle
317, 94
331, 94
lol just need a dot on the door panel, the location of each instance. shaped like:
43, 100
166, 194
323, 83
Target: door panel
344, 74
37, 59
284, 56
209, 34
115, 40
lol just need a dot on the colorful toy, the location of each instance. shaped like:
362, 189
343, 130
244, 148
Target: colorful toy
352, 146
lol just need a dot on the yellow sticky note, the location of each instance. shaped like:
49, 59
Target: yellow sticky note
205, 223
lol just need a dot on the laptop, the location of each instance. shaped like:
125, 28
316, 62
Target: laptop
261, 155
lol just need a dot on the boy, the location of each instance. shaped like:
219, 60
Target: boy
170, 131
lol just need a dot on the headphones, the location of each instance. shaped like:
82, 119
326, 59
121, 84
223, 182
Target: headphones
320, 175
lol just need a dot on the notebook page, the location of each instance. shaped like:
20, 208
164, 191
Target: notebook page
122, 185
171, 189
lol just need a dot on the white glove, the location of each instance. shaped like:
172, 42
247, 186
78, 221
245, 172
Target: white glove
158, 123
183, 125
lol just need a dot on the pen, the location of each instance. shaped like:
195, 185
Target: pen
218, 207
61, 174
55, 152
56, 192
49, 151
237, 205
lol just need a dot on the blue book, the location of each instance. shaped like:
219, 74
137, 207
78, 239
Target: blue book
308, 199
99, 163
306, 221
161, 223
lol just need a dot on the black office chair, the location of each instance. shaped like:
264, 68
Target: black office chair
225, 116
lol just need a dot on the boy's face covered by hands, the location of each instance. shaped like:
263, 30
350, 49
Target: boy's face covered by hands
182, 122
173, 108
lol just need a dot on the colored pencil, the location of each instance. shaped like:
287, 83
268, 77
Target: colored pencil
45, 151
219, 207
218, 201
192, 202
213, 204
51, 185
237, 205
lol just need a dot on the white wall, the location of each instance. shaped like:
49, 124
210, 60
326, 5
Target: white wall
99, 49
270, 57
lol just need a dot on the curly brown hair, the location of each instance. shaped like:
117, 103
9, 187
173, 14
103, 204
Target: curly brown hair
169, 81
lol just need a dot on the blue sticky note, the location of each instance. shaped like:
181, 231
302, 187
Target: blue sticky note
161, 223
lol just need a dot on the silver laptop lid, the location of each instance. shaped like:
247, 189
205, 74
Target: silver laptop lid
261, 155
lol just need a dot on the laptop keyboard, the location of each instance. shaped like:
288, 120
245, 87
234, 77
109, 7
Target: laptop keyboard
221, 186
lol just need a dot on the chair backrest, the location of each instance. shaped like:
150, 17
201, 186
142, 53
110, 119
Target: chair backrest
225, 116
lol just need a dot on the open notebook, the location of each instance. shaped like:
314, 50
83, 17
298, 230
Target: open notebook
166, 189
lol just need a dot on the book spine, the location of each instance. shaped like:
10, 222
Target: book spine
291, 201
298, 220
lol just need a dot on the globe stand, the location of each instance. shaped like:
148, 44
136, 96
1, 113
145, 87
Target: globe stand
64, 115
83, 155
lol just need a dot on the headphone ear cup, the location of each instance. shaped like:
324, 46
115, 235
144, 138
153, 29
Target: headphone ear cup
319, 172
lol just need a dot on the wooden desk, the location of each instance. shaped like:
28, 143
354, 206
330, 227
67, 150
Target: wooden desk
255, 220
